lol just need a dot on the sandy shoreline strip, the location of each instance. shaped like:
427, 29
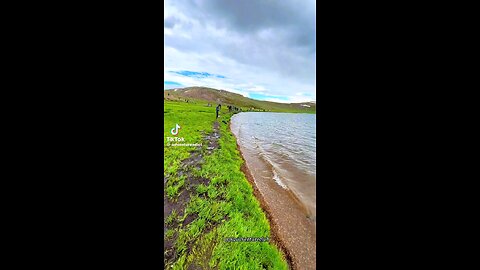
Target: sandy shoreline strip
291, 231
274, 234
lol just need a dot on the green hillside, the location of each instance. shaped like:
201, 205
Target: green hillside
214, 96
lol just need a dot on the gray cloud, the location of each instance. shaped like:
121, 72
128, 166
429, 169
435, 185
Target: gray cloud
276, 36
250, 16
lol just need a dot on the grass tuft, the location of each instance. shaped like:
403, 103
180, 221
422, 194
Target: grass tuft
226, 207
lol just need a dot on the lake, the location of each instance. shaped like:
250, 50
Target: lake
280, 147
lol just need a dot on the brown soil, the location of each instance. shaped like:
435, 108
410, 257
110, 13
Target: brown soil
180, 203
291, 230
274, 234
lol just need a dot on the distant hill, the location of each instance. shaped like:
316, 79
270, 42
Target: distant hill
214, 96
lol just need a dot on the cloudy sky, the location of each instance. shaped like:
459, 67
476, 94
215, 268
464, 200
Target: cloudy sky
262, 49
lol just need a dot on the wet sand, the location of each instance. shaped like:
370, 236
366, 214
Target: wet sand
292, 231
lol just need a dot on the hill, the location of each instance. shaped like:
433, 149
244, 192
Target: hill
215, 96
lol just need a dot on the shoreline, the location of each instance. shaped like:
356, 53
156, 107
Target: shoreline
274, 233
315, 112
286, 223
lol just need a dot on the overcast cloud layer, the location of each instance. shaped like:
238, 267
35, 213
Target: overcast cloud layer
258, 48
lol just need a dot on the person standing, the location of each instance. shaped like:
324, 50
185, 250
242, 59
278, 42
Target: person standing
218, 109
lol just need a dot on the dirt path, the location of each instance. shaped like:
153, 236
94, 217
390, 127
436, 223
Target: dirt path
178, 204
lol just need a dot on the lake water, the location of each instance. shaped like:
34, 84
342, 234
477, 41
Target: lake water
280, 147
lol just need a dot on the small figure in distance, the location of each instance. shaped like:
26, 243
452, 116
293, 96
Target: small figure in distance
217, 109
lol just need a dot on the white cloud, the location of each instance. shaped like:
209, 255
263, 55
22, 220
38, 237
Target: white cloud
252, 62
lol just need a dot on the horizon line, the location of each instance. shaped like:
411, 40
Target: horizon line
170, 89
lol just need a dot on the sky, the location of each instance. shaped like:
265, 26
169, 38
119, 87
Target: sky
261, 49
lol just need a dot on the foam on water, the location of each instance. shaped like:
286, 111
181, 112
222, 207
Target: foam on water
278, 180
285, 143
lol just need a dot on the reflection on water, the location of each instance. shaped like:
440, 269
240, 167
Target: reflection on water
281, 147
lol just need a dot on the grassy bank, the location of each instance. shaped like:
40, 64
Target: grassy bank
209, 198
214, 96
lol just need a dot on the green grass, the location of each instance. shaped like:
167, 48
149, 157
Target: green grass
226, 207
240, 101
192, 119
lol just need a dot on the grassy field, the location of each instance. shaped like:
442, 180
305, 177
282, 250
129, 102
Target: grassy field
214, 96
208, 197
